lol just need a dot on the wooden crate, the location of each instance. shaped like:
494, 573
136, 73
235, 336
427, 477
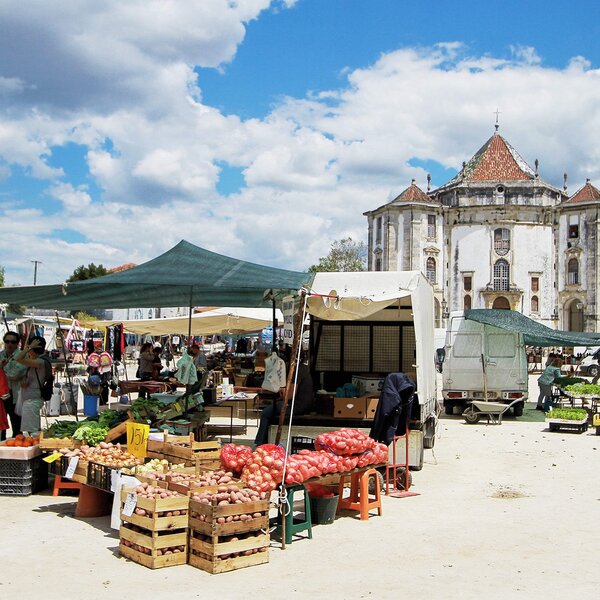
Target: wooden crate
154, 541
156, 506
212, 512
207, 454
213, 557
194, 488
58, 443
153, 562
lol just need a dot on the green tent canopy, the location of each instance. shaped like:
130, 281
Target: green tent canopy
534, 333
185, 275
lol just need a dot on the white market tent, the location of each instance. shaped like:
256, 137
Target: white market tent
224, 321
364, 296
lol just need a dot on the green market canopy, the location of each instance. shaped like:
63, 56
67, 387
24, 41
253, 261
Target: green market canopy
185, 275
534, 333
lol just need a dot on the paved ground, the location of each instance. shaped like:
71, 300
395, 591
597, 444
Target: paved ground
506, 511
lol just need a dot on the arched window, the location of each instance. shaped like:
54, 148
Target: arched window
501, 241
501, 276
535, 304
573, 271
501, 302
467, 302
430, 270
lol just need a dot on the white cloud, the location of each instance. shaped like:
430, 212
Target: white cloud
123, 86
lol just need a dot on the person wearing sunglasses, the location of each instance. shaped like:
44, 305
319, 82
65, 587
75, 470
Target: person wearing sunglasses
15, 373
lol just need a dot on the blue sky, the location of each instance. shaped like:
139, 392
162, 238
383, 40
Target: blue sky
264, 129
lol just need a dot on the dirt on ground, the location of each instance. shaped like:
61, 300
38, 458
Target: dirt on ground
503, 511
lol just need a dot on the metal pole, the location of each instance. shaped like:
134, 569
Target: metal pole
67, 374
274, 342
190, 318
35, 264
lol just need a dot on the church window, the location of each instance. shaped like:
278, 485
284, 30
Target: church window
430, 270
467, 302
501, 241
378, 264
573, 232
573, 272
378, 228
535, 284
467, 283
431, 232
535, 304
501, 276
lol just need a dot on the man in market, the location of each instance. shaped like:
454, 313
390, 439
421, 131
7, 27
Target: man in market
199, 359
15, 373
304, 402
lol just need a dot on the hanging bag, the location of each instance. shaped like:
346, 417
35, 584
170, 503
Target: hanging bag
46, 388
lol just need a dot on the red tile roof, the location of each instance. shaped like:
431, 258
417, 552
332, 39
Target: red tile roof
588, 193
496, 160
413, 193
120, 268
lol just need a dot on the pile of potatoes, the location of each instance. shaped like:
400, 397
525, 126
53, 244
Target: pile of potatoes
220, 477
159, 552
151, 492
228, 494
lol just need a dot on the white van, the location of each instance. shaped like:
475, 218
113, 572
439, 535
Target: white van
482, 362
589, 363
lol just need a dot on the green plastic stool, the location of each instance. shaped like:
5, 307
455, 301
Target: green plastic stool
294, 526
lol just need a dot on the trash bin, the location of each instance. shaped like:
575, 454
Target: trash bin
90, 405
323, 509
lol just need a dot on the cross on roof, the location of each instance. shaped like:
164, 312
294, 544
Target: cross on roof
497, 112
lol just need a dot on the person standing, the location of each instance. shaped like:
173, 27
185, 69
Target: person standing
34, 358
15, 372
545, 380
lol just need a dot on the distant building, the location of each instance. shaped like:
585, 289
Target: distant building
497, 236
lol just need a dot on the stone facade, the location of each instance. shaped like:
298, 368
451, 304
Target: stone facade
497, 236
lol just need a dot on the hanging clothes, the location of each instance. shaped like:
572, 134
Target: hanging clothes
394, 408
275, 373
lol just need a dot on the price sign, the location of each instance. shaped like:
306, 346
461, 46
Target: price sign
130, 503
137, 439
71, 468
52, 457
114, 479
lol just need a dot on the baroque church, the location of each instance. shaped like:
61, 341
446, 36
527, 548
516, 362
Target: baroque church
497, 236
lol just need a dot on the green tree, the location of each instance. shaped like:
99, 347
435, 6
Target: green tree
90, 272
11, 308
1, 276
345, 255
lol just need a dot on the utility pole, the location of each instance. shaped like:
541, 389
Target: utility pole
35, 264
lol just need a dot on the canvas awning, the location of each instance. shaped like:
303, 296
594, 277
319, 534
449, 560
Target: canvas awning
534, 333
185, 275
224, 321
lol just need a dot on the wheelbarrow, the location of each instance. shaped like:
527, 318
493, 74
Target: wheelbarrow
492, 410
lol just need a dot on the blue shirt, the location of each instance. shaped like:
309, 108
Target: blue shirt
549, 375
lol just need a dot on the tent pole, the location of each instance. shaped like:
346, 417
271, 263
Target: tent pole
298, 325
67, 374
190, 318
274, 341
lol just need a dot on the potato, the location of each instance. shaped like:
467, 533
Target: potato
221, 520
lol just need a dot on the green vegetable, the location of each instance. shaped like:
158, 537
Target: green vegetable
110, 418
564, 381
583, 389
141, 408
568, 414
91, 433
61, 429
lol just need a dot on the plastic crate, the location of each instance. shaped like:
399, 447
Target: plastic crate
99, 476
32, 478
16, 468
301, 443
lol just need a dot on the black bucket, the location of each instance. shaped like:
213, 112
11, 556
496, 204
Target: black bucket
323, 510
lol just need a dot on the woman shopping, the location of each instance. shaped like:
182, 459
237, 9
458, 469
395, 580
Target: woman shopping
32, 356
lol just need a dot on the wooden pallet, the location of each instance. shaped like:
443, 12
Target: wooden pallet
156, 506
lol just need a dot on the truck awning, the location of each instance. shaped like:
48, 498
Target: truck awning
534, 333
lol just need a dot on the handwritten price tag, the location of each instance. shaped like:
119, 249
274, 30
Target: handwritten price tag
71, 468
130, 504
137, 439
52, 457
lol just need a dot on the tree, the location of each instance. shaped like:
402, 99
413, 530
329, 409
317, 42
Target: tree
11, 308
345, 255
90, 272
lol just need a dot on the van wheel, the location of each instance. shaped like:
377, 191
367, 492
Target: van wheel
518, 409
593, 370
449, 408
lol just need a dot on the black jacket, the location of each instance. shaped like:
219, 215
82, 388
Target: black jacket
393, 409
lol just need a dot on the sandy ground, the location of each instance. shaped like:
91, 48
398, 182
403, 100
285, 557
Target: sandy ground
504, 512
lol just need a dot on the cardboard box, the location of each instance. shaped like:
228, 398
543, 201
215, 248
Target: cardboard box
371, 406
349, 408
367, 383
